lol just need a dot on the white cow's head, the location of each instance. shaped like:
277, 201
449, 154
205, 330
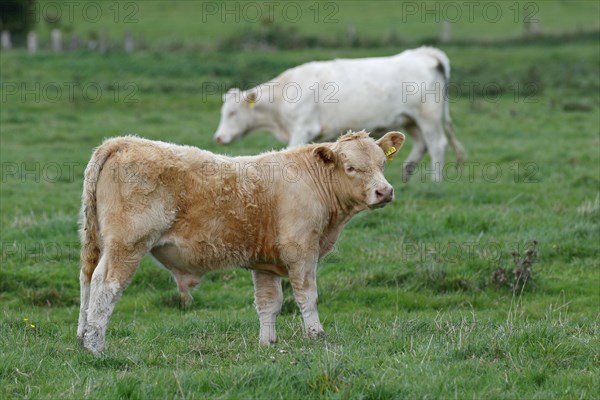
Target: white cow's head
357, 162
237, 115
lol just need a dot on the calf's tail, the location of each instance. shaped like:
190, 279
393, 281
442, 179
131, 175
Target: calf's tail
89, 230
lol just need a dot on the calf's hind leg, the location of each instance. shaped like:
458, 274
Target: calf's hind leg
114, 272
84, 283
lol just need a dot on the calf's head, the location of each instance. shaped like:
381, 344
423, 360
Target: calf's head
237, 115
357, 163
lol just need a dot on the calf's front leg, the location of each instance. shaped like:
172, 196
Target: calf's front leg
303, 277
268, 298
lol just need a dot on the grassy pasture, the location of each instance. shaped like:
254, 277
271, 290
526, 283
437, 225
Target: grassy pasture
202, 23
406, 297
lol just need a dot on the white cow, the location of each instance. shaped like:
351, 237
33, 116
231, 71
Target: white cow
319, 100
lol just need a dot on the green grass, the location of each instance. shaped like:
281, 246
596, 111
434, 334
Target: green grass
406, 296
204, 23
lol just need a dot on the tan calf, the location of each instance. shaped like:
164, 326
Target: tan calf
276, 213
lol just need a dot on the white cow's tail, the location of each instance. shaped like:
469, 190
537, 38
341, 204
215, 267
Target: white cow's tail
89, 232
444, 69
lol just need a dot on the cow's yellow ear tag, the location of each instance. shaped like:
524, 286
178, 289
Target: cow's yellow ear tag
389, 153
251, 103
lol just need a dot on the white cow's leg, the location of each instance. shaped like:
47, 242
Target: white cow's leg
111, 277
268, 298
304, 134
303, 277
298, 140
83, 307
436, 141
416, 154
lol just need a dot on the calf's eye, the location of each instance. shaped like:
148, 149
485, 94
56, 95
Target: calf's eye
350, 169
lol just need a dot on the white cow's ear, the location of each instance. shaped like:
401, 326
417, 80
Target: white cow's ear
250, 98
390, 143
325, 155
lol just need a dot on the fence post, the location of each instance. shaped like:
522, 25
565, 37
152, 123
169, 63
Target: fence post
103, 42
351, 34
445, 33
75, 42
32, 42
56, 40
92, 44
128, 42
531, 27
5, 39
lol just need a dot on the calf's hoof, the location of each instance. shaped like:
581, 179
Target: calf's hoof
185, 301
93, 340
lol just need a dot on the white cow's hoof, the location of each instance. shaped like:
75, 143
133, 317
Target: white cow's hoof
267, 337
266, 342
315, 332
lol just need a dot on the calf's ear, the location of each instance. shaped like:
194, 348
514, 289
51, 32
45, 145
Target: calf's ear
390, 143
325, 155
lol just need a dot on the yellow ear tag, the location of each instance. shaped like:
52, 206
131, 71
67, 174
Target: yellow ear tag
251, 103
389, 152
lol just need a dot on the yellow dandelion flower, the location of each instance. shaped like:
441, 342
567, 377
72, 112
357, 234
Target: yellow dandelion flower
32, 325
25, 319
